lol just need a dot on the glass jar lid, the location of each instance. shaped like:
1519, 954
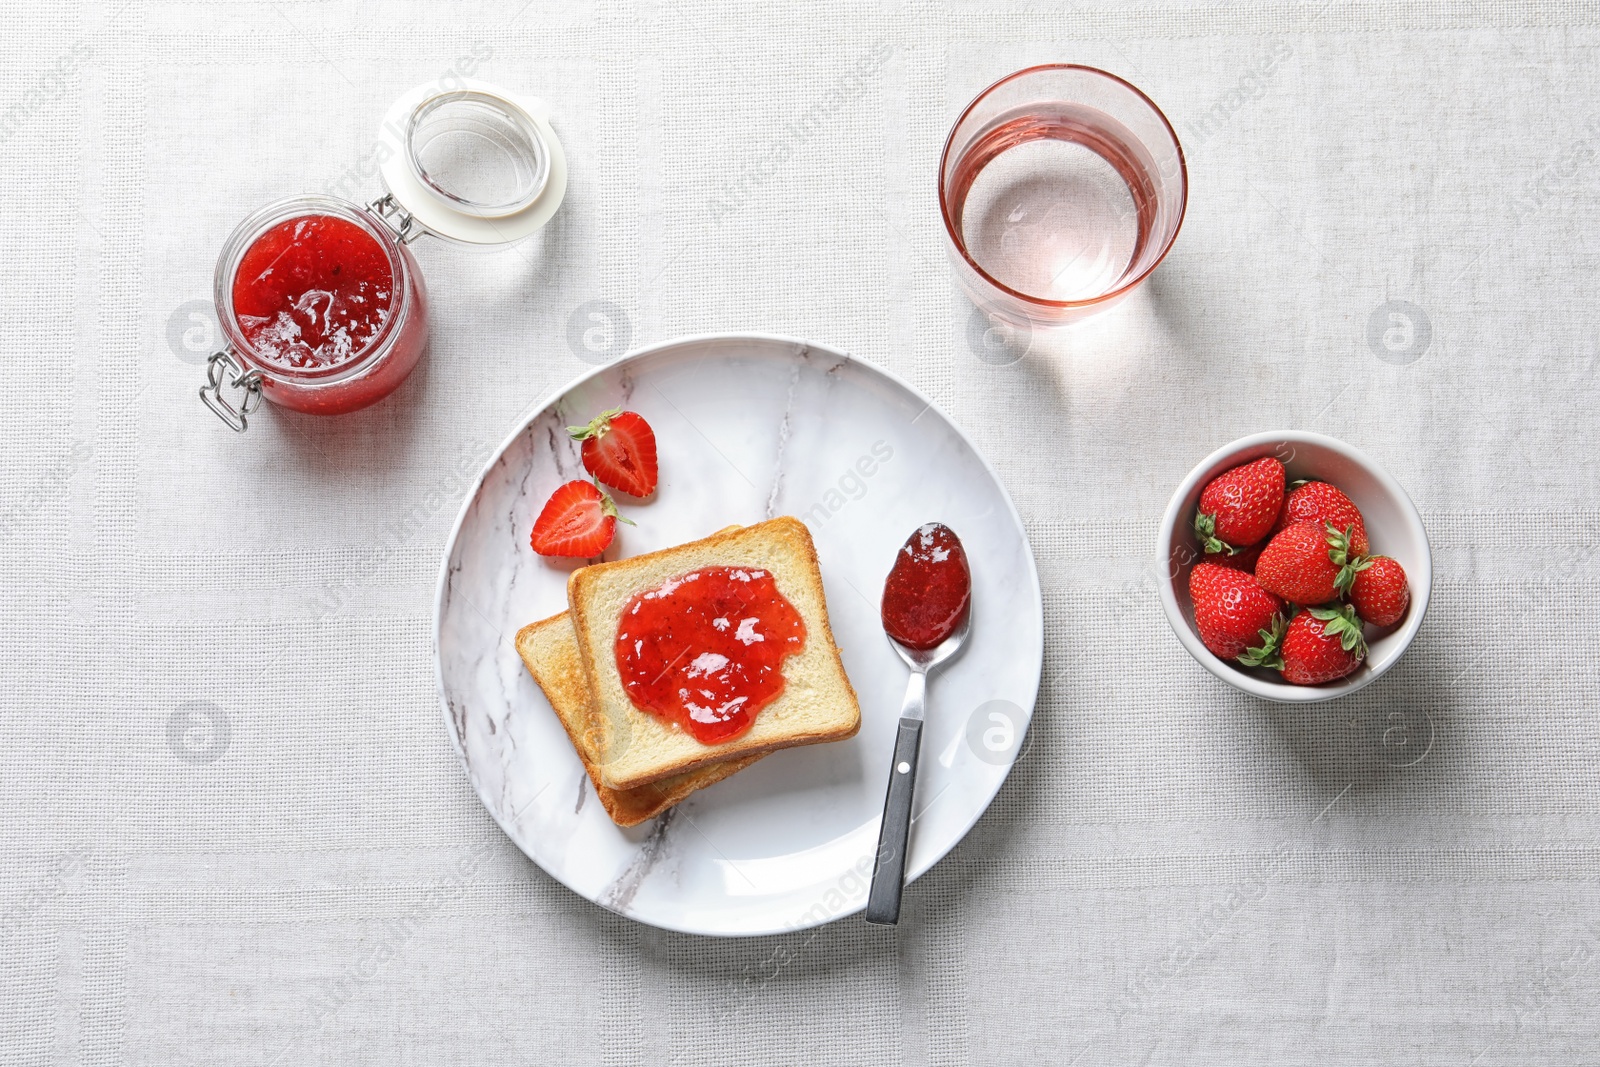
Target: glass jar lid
474, 164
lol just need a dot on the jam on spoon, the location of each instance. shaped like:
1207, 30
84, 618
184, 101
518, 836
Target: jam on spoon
927, 612
929, 589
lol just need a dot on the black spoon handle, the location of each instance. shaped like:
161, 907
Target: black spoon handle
889, 870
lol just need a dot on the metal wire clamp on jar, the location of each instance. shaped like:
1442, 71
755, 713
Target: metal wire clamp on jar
475, 165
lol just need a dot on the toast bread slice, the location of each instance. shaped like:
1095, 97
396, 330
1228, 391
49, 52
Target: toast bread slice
632, 747
549, 649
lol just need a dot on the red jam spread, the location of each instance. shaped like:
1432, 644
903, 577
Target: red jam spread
313, 292
705, 651
929, 589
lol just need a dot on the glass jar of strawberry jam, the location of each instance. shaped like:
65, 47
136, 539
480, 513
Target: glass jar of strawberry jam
321, 301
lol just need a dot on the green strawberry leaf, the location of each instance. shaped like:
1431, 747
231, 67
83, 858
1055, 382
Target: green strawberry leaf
1348, 562
597, 426
1342, 623
1266, 655
1205, 528
609, 506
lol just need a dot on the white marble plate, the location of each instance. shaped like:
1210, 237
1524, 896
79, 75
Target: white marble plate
748, 427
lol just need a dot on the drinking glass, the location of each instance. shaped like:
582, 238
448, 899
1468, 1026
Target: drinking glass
1062, 187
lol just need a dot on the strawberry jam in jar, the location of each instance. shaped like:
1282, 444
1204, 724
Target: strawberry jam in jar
322, 301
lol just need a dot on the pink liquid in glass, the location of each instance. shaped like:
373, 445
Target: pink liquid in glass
1055, 204
1062, 187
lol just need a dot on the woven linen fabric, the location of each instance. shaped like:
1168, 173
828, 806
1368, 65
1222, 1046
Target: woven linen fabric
234, 828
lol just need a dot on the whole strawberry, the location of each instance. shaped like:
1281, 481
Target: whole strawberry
1307, 563
1322, 502
1320, 645
1379, 592
1230, 608
1239, 506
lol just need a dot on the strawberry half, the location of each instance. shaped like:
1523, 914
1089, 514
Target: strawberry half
1322, 502
1230, 608
619, 449
578, 520
1380, 593
1239, 506
1308, 563
1320, 645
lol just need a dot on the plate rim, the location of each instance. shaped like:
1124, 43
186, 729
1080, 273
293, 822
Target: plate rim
543, 404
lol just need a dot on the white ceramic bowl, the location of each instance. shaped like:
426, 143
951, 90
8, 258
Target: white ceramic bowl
1393, 527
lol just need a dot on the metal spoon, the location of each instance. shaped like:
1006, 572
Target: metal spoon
889, 870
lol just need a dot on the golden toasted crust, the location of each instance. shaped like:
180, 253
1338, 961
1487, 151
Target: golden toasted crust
549, 649
633, 748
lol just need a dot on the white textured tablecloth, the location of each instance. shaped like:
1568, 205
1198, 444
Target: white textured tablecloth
234, 829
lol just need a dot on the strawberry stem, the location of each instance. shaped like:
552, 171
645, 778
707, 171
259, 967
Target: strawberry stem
609, 507
597, 426
1348, 562
1266, 655
1205, 528
1342, 623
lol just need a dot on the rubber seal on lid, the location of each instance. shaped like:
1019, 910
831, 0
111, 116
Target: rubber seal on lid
474, 164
